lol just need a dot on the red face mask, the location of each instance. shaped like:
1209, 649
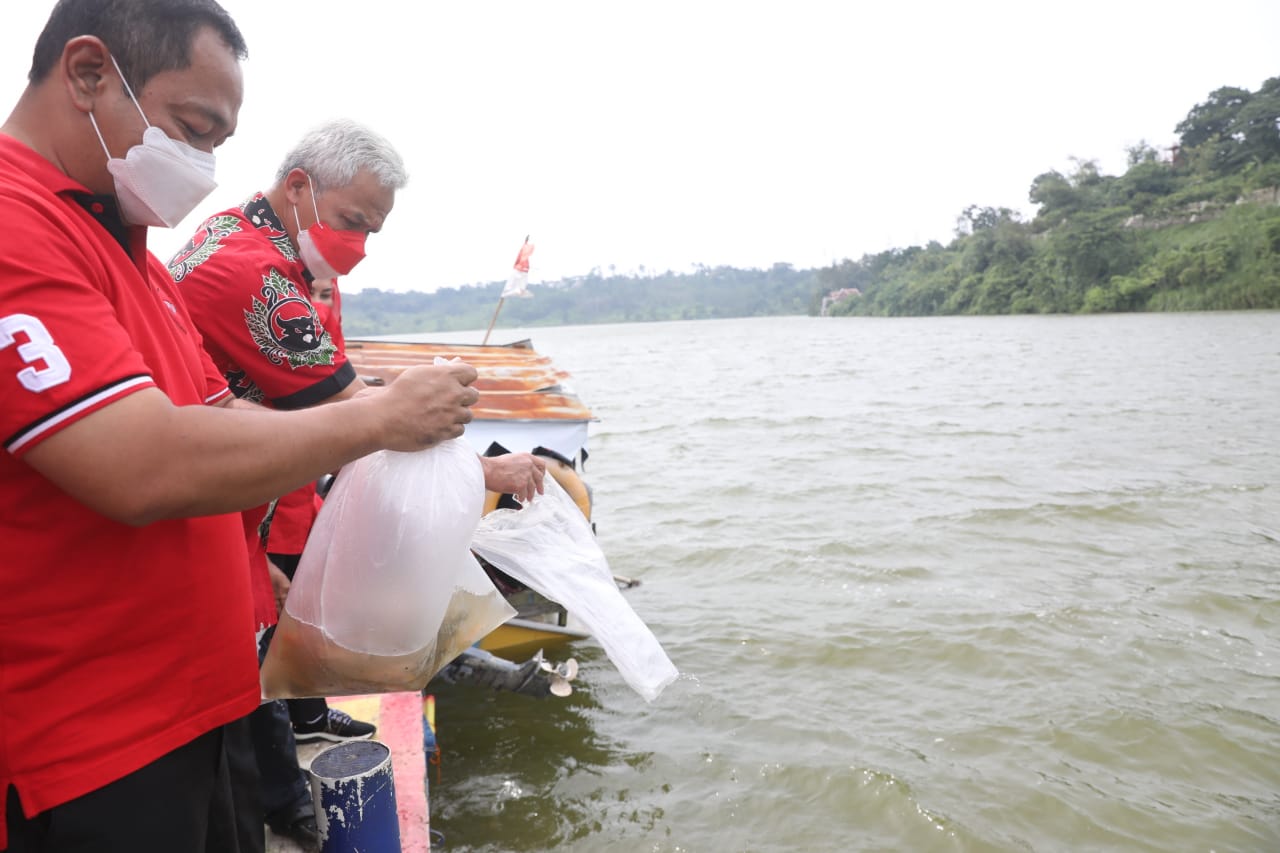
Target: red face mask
329, 253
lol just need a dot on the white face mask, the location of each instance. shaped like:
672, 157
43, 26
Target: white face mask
161, 180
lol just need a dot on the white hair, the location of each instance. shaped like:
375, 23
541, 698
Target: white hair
334, 152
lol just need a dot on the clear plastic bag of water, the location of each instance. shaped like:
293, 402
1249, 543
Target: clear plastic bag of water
387, 590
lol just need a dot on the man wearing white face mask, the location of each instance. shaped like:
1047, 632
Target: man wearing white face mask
125, 610
160, 181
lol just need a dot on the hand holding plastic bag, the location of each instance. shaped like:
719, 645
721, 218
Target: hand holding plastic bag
548, 546
387, 591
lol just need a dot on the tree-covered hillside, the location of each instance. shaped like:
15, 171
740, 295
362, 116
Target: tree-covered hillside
709, 292
1192, 228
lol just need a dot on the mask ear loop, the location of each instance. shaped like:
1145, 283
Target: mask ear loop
136, 106
101, 141
129, 89
315, 209
313, 198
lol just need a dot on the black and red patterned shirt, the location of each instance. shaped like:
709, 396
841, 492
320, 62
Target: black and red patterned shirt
247, 290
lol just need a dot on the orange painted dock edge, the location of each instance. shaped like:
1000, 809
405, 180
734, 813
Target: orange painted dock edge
398, 717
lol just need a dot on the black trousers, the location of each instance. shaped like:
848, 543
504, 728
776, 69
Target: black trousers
179, 802
267, 784
246, 789
282, 788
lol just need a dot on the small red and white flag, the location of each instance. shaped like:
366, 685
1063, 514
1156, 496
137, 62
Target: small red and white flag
518, 283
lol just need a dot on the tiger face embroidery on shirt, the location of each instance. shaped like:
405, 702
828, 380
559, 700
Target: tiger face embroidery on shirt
285, 327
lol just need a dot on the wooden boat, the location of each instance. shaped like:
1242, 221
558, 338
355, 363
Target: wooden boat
525, 400
541, 624
526, 405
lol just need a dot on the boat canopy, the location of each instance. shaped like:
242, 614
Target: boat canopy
525, 400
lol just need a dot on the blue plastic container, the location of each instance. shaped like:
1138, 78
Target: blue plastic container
355, 797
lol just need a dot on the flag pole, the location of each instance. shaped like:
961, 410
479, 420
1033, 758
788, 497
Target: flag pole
501, 299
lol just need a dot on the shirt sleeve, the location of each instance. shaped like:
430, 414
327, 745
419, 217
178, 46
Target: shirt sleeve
215, 383
259, 325
63, 352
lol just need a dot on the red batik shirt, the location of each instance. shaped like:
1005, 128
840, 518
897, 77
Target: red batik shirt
296, 512
118, 644
247, 291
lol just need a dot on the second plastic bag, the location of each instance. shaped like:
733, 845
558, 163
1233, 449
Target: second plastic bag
548, 546
387, 591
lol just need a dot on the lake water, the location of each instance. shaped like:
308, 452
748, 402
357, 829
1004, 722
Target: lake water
942, 584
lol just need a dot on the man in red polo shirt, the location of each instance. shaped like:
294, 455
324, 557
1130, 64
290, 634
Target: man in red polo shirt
126, 634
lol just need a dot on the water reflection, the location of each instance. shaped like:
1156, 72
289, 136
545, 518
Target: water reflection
519, 773
1010, 586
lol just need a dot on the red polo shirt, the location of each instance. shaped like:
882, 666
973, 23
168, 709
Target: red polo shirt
118, 644
247, 292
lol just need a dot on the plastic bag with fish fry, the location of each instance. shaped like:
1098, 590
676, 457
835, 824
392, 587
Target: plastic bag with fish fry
387, 591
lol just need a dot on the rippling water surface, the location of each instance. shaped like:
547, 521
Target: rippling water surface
945, 584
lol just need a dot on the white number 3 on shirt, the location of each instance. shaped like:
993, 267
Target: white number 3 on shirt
38, 348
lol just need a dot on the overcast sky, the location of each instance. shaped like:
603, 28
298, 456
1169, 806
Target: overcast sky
667, 134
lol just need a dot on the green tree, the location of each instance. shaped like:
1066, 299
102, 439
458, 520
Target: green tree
1210, 121
1256, 129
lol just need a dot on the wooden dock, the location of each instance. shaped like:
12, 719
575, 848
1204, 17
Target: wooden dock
400, 722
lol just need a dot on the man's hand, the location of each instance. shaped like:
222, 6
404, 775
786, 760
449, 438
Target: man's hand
279, 585
518, 474
425, 405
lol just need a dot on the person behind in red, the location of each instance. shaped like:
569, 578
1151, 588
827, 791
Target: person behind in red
125, 612
246, 277
291, 522
328, 302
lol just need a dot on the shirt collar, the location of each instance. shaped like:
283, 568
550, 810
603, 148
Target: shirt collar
264, 217
259, 212
103, 208
37, 167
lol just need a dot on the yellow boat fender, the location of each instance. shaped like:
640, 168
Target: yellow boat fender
562, 470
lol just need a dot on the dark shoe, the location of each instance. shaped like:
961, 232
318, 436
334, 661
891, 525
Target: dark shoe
336, 726
303, 832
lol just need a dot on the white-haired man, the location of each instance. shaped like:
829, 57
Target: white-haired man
246, 277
